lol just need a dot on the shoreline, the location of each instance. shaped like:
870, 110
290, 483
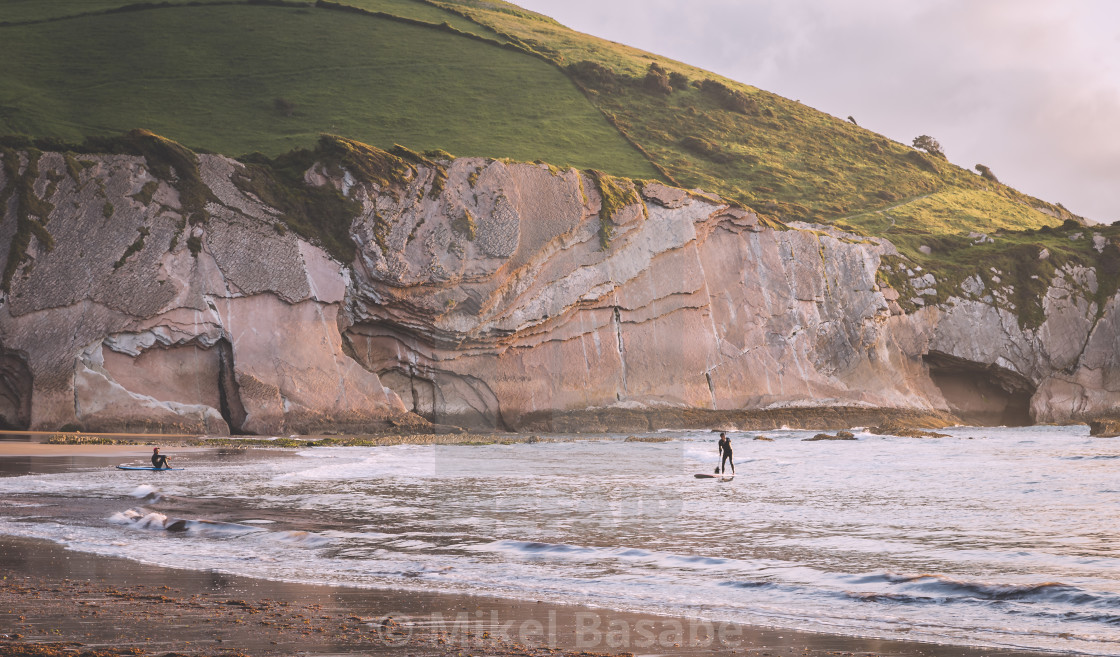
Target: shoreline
607, 419
37, 440
50, 594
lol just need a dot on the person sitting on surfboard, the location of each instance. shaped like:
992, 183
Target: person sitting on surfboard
159, 461
725, 454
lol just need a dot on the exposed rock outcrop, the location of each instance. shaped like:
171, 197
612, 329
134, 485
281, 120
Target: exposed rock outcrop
896, 429
840, 435
696, 306
135, 319
1065, 370
490, 294
1105, 428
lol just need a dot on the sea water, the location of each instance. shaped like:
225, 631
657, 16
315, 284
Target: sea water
992, 537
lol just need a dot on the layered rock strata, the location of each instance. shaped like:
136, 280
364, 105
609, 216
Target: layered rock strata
136, 320
490, 294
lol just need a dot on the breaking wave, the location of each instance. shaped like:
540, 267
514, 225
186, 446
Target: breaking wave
153, 520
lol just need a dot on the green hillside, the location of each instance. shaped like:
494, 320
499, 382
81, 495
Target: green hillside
484, 78
31, 11
774, 154
242, 78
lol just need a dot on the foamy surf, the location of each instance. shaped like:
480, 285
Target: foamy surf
147, 492
138, 518
144, 519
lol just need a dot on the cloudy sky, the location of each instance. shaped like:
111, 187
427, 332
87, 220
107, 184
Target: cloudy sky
1030, 88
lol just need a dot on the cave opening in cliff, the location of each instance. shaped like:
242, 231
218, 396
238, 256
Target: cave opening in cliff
15, 392
980, 394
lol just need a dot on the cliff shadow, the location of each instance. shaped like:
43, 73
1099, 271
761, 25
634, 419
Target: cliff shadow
981, 394
15, 391
229, 392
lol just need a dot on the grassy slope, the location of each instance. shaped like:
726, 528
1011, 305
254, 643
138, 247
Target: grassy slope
208, 77
784, 158
23, 11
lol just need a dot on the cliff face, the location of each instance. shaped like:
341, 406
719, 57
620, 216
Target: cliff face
490, 294
692, 305
135, 319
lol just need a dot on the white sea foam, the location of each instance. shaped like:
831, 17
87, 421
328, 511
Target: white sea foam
138, 518
147, 492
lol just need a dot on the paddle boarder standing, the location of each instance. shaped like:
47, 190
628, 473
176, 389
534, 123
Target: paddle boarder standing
725, 453
159, 461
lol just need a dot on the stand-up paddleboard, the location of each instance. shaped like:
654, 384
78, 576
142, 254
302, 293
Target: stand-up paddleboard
721, 477
145, 467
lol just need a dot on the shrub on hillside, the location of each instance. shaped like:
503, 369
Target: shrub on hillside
985, 172
657, 80
923, 161
929, 145
705, 149
594, 73
679, 81
728, 98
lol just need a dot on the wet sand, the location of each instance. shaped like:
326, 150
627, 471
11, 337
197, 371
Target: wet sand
57, 601
19, 457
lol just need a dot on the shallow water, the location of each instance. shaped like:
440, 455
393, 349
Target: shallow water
996, 537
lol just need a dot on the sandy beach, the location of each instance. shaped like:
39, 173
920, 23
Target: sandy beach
78, 602
58, 601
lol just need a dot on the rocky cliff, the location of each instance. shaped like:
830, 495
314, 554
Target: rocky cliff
146, 295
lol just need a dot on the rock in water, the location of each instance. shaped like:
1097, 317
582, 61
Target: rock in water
1105, 428
842, 435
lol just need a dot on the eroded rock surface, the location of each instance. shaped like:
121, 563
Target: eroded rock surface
122, 333
485, 294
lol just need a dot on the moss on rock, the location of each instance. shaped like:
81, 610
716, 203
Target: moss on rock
615, 194
31, 211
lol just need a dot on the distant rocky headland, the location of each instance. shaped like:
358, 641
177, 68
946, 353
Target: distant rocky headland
150, 288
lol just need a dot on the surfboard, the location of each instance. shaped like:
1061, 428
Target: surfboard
721, 477
145, 467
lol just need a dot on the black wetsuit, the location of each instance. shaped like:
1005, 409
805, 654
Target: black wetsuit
725, 451
160, 461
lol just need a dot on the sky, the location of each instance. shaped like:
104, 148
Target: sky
1029, 88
